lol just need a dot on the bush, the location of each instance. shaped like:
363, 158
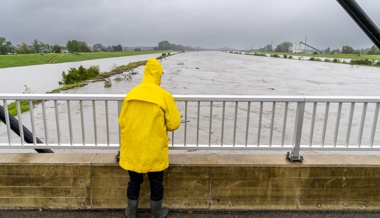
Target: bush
107, 83
314, 59
275, 55
361, 62
256, 54
77, 75
335, 60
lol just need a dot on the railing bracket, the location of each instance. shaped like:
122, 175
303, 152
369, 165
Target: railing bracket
293, 158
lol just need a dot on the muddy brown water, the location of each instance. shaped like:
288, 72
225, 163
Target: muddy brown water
221, 73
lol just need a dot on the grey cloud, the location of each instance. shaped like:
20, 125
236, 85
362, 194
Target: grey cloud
208, 23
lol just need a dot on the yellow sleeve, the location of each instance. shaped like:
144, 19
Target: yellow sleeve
172, 115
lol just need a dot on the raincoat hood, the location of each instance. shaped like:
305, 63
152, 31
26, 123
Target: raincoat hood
153, 72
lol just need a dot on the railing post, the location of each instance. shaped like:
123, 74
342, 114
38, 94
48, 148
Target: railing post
119, 106
295, 154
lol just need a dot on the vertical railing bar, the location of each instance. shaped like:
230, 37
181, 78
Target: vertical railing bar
57, 122
284, 123
364, 112
272, 124
325, 124
8, 124
82, 122
185, 129
247, 125
119, 107
107, 122
46, 129
198, 115
337, 123
349, 125
235, 123
70, 121
374, 124
32, 122
311, 135
172, 138
223, 116
210, 125
259, 127
20, 126
94, 118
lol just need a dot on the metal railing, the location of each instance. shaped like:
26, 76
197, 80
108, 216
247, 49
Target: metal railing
207, 122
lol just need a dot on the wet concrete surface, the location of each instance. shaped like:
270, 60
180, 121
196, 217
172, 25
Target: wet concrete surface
192, 214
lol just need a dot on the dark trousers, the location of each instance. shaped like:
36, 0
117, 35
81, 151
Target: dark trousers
155, 181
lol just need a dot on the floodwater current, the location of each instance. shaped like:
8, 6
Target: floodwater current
214, 73
210, 73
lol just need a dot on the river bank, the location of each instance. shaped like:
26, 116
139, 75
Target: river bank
17, 60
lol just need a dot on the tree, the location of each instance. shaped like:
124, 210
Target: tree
347, 50
327, 51
98, 47
5, 46
24, 49
37, 46
267, 48
284, 47
56, 49
117, 48
83, 47
164, 45
374, 50
335, 51
72, 46
77, 46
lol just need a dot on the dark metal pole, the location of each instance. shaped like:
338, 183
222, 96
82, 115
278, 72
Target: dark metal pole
28, 136
361, 18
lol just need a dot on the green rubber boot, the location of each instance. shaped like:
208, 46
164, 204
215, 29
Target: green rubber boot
157, 211
131, 210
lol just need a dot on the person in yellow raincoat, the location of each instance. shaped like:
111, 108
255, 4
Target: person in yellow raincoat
147, 114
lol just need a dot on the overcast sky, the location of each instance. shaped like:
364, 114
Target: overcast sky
240, 24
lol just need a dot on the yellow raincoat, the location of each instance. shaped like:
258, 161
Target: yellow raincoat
147, 114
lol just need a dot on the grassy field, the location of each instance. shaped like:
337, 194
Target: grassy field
17, 60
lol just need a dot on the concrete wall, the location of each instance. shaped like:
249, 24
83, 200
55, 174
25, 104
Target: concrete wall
194, 181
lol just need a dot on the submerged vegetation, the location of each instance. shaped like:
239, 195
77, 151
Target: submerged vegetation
77, 77
353, 59
24, 104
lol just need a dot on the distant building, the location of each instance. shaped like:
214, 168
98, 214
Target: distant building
297, 47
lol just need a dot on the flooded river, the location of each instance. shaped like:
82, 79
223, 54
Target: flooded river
213, 73
217, 73
220, 73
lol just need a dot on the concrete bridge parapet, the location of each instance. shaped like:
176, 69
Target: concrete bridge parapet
212, 181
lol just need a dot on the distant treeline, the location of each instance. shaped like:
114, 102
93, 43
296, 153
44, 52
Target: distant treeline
75, 46
165, 45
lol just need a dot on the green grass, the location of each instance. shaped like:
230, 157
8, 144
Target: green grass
24, 106
17, 60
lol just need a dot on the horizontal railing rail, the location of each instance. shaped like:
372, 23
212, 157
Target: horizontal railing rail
65, 121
